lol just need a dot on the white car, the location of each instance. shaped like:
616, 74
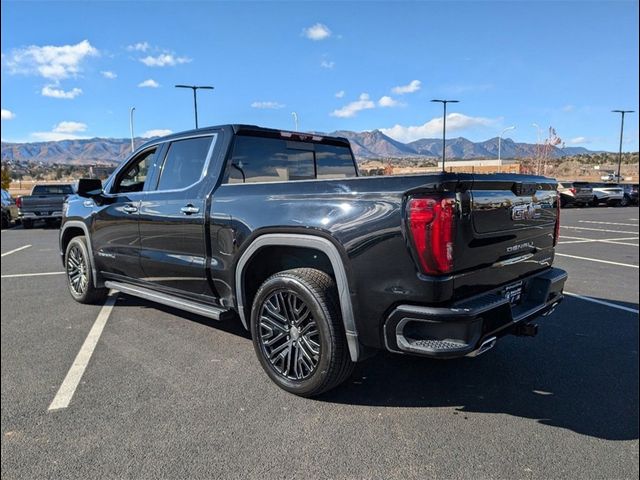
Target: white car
611, 194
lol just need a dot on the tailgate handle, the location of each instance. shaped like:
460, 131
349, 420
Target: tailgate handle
524, 189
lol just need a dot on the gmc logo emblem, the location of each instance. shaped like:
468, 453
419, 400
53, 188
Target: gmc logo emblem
527, 211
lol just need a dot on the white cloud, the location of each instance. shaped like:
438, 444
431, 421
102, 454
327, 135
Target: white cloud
433, 128
364, 102
328, 64
54, 136
149, 83
568, 108
159, 132
267, 105
8, 114
53, 92
139, 47
340, 94
164, 60
579, 140
387, 101
317, 32
413, 86
51, 62
109, 74
70, 127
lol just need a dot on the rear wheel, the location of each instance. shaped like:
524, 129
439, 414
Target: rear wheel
79, 273
298, 334
594, 201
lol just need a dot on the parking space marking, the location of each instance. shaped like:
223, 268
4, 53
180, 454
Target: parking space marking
608, 223
614, 241
18, 275
71, 381
597, 229
597, 260
14, 250
602, 302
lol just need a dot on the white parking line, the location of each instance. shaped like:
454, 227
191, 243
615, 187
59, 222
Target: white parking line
615, 241
71, 381
608, 223
14, 250
597, 229
602, 302
18, 275
597, 260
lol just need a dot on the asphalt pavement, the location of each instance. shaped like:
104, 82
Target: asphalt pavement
166, 394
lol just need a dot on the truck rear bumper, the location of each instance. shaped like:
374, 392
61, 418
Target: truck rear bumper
471, 326
40, 215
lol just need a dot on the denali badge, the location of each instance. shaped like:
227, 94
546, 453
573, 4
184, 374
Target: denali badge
527, 211
521, 246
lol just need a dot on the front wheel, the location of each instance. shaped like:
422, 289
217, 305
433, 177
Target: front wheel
298, 334
79, 273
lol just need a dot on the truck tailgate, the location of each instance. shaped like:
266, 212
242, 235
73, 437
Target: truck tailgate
507, 231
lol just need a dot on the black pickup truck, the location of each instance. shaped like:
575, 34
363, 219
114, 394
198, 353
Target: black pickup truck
323, 267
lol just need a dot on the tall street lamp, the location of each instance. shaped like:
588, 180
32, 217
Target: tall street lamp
195, 88
621, 112
444, 126
500, 140
131, 110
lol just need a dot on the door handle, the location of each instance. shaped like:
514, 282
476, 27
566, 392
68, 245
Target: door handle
130, 209
189, 209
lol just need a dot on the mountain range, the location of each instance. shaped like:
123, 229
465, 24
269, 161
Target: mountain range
366, 145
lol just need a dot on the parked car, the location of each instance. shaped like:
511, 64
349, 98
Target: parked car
44, 203
630, 194
9, 209
575, 193
324, 268
608, 193
611, 177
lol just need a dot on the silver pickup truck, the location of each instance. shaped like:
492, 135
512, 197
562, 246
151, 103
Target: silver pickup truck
44, 203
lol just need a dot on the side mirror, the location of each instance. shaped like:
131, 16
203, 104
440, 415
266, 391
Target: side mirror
89, 187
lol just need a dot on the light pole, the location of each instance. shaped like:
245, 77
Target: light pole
500, 140
195, 88
131, 110
444, 126
621, 112
295, 120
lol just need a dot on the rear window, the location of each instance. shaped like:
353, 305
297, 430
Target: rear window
259, 159
52, 190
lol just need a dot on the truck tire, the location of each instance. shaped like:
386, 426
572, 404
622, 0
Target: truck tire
78, 265
298, 334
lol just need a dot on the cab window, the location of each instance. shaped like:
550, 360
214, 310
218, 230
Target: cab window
133, 177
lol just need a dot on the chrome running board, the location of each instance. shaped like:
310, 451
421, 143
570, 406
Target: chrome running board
168, 300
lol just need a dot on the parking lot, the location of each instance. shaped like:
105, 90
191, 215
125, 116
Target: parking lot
169, 394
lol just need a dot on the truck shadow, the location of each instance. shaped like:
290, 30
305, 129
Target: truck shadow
579, 373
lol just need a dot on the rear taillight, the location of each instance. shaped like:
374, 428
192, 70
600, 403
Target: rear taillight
556, 233
573, 190
431, 223
19, 202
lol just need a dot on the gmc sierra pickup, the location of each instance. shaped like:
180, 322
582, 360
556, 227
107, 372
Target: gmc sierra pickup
44, 203
323, 267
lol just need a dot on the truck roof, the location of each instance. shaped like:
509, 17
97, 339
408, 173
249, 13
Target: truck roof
240, 129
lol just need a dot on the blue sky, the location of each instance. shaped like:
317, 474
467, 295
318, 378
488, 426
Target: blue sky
73, 69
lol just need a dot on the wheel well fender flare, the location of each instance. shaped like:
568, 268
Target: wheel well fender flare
85, 229
307, 241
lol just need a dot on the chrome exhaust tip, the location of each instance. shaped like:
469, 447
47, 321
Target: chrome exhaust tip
488, 344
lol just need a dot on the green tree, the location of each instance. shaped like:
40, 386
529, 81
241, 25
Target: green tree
6, 177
